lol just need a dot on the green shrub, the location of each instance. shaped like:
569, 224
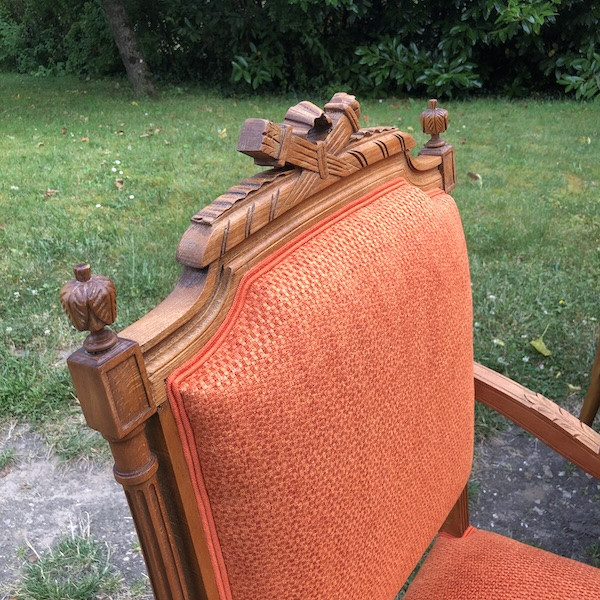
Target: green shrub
442, 47
12, 44
394, 67
578, 72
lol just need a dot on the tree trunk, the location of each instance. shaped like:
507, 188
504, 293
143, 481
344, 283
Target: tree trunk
138, 71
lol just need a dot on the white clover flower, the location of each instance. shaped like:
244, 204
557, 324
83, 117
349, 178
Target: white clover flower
34, 292
14, 187
46, 332
117, 162
17, 295
525, 359
9, 330
114, 169
120, 172
491, 297
131, 196
98, 205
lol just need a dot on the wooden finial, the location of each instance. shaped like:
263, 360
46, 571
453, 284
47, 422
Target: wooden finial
434, 121
90, 302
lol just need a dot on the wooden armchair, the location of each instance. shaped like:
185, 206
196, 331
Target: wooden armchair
295, 420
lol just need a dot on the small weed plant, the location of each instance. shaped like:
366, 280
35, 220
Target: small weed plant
8, 458
76, 568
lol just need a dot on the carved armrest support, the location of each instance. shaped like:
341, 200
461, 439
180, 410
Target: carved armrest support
538, 415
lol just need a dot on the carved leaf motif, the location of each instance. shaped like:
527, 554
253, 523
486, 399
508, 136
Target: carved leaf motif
73, 298
102, 297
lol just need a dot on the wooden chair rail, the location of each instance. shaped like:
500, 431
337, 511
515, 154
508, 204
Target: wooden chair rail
538, 415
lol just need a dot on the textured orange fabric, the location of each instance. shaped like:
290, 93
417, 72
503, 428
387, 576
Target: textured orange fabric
328, 423
482, 565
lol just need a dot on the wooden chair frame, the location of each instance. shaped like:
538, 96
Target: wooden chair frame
321, 161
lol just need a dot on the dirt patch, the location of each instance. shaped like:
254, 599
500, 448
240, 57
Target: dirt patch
41, 501
528, 492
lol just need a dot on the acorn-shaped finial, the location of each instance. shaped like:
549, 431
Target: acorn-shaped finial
90, 302
434, 121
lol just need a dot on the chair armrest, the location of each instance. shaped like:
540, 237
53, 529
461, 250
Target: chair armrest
538, 415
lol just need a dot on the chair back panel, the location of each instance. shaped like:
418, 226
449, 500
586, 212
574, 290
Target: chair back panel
328, 424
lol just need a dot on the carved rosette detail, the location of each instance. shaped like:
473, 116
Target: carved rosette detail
434, 120
90, 302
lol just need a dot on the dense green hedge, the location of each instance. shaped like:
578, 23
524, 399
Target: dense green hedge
442, 47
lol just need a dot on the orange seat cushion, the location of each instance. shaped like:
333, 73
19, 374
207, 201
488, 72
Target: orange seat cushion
328, 424
482, 565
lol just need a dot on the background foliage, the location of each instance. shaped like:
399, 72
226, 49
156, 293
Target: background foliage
442, 47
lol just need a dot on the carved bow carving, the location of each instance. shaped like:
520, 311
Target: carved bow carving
308, 138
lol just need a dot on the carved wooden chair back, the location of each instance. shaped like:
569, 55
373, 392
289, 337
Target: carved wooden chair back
295, 420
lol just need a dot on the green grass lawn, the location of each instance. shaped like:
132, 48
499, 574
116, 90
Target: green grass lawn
532, 226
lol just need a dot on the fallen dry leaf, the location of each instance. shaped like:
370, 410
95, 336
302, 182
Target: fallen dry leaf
50, 192
119, 183
540, 346
475, 178
85, 139
64, 131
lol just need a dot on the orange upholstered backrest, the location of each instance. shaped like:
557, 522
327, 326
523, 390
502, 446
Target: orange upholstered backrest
328, 423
